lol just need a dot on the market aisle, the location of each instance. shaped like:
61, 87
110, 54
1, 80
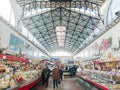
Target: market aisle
66, 84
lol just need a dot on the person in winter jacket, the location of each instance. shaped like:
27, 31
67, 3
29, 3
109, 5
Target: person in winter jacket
55, 73
45, 76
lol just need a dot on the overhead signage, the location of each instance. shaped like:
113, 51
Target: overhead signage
15, 43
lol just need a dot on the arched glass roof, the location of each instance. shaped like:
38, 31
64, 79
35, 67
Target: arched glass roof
69, 25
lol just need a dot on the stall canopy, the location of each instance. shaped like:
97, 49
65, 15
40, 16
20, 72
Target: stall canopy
14, 58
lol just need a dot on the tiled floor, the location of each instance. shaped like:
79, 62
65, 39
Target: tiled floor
66, 84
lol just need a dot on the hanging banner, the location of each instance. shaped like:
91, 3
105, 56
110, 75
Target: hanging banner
15, 43
26, 48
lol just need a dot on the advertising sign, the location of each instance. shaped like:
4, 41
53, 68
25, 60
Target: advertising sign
15, 43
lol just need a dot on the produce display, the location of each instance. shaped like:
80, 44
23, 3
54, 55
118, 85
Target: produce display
105, 73
14, 73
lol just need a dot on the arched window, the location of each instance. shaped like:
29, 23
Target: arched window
113, 8
7, 12
61, 53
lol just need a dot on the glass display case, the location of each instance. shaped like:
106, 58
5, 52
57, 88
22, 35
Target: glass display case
105, 74
18, 78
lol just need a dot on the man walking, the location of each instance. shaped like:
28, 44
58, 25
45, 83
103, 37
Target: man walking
45, 76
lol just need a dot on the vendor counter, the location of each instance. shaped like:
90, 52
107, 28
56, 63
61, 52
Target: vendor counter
88, 84
26, 85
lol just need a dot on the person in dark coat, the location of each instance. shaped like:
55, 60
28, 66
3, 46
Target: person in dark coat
45, 76
71, 72
60, 73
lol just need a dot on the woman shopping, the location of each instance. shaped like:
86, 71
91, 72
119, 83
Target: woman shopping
55, 73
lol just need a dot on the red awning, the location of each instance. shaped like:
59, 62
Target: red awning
1, 56
9, 57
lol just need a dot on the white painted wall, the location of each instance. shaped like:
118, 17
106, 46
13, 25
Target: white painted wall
114, 32
6, 30
4, 34
103, 9
17, 11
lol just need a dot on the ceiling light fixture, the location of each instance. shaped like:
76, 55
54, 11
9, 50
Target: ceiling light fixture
60, 33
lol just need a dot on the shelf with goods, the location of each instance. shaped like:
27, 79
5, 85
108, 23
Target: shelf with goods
111, 69
105, 72
16, 72
89, 84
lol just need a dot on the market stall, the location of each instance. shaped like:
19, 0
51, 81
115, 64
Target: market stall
16, 73
102, 73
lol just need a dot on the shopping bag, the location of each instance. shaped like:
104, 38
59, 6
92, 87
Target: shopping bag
59, 81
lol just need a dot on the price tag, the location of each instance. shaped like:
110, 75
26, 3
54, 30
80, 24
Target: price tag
4, 57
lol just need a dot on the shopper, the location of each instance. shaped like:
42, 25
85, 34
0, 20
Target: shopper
45, 76
71, 71
55, 73
60, 73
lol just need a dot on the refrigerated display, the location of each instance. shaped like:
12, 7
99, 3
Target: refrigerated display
106, 77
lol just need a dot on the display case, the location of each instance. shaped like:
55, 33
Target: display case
89, 84
15, 74
19, 78
105, 74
